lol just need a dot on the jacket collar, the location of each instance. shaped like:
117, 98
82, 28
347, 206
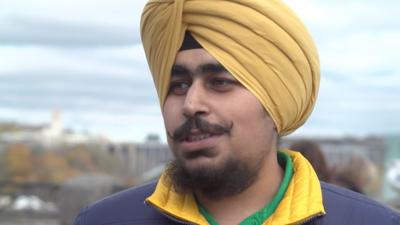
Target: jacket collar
301, 202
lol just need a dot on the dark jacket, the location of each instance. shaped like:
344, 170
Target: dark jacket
343, 207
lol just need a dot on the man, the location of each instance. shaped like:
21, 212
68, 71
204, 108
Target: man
232, 77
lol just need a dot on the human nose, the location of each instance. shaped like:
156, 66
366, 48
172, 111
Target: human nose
195, 100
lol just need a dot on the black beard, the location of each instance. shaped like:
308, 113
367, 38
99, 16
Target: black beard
232, 178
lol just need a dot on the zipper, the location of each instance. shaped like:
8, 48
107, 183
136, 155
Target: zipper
168, 216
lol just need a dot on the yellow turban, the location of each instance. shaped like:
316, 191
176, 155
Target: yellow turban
262, 43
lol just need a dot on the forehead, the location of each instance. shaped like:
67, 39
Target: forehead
194, 57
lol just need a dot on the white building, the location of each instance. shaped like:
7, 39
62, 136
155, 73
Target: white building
50, 134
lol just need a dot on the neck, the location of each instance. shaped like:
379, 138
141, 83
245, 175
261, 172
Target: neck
234, 209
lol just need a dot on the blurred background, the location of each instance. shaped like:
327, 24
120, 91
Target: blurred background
79, 116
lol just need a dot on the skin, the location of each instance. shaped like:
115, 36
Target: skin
200, 85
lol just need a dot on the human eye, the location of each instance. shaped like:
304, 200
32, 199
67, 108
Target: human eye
178, 87
222, 84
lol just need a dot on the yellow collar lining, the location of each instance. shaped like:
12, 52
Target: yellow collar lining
302, 200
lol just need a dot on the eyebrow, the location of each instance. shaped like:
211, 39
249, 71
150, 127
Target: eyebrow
182, 70
212, 68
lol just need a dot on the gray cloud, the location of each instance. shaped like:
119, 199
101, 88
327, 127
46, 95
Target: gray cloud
75, 90
57, 32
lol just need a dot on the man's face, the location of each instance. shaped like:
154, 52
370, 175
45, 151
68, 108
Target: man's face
230, 123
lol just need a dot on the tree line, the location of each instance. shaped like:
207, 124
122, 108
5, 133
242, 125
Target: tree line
20, 163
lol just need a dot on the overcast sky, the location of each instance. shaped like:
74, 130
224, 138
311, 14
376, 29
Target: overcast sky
84, 58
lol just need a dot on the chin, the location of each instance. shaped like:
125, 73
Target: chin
200, 163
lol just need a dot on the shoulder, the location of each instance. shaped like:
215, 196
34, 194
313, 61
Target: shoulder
125, 207
347, 207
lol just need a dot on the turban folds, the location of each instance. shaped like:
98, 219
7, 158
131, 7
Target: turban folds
262, 43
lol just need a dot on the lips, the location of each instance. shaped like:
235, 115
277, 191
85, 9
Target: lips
197, 141
196, 129
197, 137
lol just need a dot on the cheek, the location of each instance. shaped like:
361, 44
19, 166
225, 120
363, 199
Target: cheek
253, 124
170, 113
251, 116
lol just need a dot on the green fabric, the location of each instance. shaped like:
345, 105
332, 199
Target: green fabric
208, 217
263, 214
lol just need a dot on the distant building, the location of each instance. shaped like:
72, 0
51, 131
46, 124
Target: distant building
339, 150
46, 135
142, 161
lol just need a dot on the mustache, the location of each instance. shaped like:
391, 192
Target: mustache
196, 122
